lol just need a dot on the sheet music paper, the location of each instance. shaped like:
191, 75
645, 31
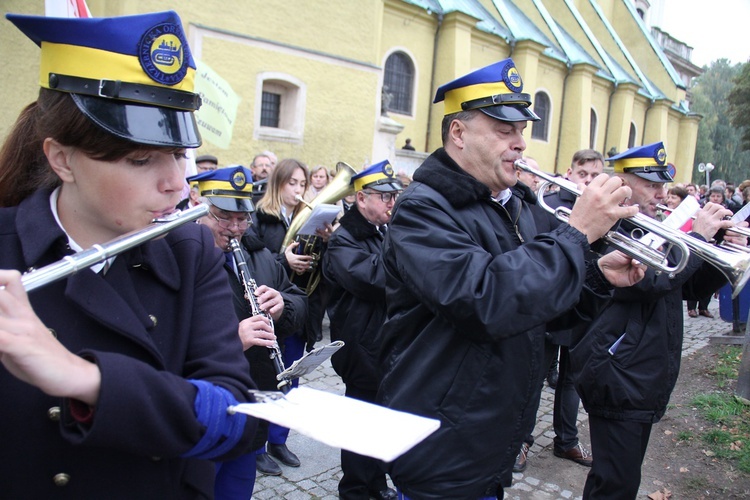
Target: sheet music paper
320, 215
742, 214
310, 361
675, 220
346, 423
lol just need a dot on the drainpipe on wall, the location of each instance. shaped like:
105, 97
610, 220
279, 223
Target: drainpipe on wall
432, 82
562, 110
609, 114
645, 121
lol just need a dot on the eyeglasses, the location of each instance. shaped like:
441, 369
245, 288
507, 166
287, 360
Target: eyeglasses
227, 224
385, 197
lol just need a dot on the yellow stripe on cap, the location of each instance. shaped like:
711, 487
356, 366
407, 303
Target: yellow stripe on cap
224, 186
454, 97
86, 62
360, 183
621, 165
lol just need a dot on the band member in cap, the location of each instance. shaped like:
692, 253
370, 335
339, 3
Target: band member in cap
584, 167
626, 364
353, 267
206, 163
228, 192
114, 379
470, 286
276, 210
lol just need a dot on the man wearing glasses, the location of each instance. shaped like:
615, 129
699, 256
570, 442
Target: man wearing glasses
353, 267
228, 192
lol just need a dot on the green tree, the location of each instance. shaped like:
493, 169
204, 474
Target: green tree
739, 104
719, 141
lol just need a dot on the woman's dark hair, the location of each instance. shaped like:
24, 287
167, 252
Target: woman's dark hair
23, 165
679, 191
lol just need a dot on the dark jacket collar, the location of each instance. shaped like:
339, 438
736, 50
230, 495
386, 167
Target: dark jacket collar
442, 174
252, 242
43, 241
354, 222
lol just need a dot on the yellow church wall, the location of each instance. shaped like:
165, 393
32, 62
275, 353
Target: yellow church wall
549, 77
338, 119
340, 65
19, 72
410, 29
600, 97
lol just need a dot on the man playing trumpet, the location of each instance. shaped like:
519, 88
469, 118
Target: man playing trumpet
627, 363
471, 285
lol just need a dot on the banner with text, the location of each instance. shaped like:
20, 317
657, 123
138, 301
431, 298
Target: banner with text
219, 110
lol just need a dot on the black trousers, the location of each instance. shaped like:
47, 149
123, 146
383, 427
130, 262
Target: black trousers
362, 475
618, 448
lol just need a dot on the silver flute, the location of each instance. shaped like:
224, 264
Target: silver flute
71, 264
250, 287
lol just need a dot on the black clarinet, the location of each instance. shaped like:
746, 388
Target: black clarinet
249, 285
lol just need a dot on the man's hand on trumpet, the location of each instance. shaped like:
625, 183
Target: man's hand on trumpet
599, 207
711, 218
620, 269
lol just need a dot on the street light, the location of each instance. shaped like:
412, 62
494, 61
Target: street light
706, 167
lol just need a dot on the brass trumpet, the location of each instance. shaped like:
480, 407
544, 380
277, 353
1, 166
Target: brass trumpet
627, 244
735, 266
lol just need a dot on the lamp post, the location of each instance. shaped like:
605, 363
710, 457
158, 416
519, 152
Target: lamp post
706, 167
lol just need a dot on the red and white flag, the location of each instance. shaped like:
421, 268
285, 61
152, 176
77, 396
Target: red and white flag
66, 8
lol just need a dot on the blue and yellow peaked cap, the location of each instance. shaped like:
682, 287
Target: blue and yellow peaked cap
495, 90
379, 177
229, 188
648, 162
133, 75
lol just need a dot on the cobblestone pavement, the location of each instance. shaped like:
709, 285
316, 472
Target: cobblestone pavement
546, 476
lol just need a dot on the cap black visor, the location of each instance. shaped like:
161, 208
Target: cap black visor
140, 123
384, 186
510, 113
652, 176
232, 204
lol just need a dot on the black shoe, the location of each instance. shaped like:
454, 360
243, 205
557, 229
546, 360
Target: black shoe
553, 376
386, 494
520, 464
265, 465
281, 453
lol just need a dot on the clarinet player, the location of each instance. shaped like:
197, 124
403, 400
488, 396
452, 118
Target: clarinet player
228, 192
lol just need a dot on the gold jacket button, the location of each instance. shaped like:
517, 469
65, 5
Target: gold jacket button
153, 320
61, 479
54, 413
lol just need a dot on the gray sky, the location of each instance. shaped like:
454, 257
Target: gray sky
714, 28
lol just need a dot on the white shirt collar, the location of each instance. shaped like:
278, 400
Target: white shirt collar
53, 197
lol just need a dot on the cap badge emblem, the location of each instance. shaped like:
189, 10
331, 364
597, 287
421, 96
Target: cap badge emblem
162, 54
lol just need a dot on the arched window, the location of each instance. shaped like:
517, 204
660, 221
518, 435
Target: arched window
539, 130
399, 82
631, 137
593, 124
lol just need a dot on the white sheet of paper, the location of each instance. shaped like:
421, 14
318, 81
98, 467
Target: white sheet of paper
310, 361
675, 220
346, 423
321, 214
